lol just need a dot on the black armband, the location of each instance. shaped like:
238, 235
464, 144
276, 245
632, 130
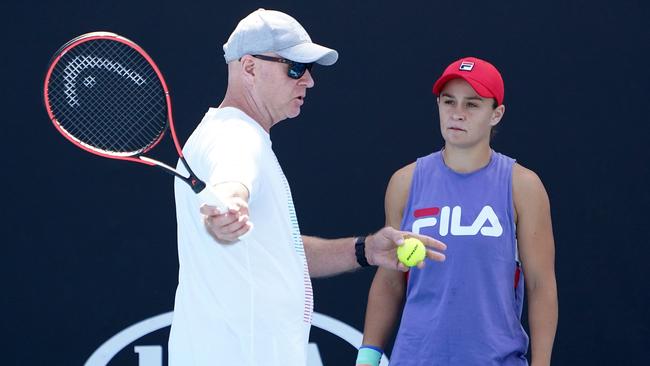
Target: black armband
360, 251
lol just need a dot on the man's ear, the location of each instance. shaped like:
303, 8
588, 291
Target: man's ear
497, 114
248, 68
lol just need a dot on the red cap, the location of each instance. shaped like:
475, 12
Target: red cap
484, 78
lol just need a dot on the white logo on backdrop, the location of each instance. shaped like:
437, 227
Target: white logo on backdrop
152, 355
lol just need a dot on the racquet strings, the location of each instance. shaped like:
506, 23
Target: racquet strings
107, 96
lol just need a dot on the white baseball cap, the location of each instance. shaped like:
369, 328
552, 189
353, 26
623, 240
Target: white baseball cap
273, 31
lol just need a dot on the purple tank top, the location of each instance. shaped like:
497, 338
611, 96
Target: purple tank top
466, 310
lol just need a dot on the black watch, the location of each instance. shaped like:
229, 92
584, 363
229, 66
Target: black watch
360, 251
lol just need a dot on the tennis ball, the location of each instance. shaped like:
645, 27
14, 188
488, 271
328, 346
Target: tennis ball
411, 252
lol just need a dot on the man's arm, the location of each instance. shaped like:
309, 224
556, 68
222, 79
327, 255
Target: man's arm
388, 287
537, 252
328, 257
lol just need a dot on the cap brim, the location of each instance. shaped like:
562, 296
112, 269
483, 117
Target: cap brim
479, 88
310, 52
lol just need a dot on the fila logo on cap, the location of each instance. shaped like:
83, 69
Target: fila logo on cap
466, 66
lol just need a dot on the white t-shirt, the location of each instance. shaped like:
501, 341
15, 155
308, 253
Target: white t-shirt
249, 302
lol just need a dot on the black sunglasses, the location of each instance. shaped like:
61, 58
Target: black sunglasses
296, 69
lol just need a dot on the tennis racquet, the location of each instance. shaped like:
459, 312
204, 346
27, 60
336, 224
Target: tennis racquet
107, 96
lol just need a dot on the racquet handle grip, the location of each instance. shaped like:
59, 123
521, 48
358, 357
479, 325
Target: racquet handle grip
210, 197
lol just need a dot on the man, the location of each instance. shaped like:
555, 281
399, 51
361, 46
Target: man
492, 213
247, 299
